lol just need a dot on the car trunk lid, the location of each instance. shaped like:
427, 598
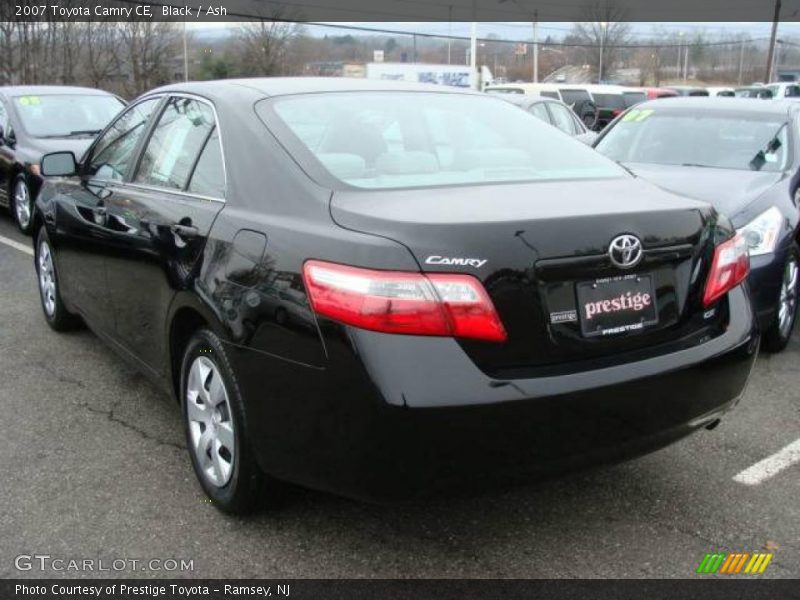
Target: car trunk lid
539, 248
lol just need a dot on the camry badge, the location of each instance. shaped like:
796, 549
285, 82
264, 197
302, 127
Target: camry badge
466, 262
625, 251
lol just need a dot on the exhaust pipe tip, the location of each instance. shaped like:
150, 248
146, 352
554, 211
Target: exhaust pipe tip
713, 425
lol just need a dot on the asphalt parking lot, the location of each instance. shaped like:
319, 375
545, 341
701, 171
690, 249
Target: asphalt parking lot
93, 465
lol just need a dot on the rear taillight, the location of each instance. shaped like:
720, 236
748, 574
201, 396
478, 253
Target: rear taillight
399, 302
729, 268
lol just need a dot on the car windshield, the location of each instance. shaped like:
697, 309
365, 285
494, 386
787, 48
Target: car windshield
700, 138
65, 115
396, 139
612, 101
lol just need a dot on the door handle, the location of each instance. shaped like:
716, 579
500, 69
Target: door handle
184, 231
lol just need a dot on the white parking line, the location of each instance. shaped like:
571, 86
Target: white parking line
770, 466
16, 245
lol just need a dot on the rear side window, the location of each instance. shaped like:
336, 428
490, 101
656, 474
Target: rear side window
574, 97
113, 151
208, 178
612, 101
792, 91
633, 98
175, 144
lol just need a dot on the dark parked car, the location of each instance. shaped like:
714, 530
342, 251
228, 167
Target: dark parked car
554, 112
743, 157
35, 120
485, 300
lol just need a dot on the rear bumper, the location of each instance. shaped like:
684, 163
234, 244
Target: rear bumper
375, 425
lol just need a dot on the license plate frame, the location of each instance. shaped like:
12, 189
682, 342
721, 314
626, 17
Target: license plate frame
620, 304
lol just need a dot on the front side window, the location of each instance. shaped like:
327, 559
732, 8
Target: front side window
792, 91
113, 152
175, 144
384, 140
701, 139
65, 115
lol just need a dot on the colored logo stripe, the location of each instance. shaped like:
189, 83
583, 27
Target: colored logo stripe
731, 564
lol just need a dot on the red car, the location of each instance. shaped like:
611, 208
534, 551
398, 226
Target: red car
658, 92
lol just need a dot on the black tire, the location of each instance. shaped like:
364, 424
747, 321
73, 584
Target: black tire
55, 313
776, 337
21, 183
242, 492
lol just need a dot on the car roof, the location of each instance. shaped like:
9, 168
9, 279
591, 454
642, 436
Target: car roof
721, 104
49, 90
284, 86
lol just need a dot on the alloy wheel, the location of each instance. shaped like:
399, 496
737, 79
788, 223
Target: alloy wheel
47, 278
22, 204
787, 304
211, 429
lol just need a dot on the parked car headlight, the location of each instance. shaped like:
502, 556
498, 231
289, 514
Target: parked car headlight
762, 232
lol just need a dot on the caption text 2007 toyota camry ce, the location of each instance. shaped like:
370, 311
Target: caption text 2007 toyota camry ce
381, 289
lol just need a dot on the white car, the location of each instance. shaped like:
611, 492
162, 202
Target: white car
784, 89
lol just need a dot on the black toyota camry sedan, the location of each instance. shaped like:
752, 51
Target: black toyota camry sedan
35, 120
744, 158
381, 289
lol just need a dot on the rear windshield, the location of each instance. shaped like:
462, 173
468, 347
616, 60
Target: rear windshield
721, 140
613, 101
65, 115
573, 97
633, 98
380, 140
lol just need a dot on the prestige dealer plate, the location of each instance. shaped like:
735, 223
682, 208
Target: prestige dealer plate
614, 305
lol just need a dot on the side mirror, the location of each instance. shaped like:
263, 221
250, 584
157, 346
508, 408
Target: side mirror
59, 164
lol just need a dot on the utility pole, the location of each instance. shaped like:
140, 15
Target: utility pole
535, 46
185, 55
602, 40
473, 51
741, 61
686, 65
776, 17
449, 30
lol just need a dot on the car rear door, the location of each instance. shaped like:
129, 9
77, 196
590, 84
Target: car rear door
159, 221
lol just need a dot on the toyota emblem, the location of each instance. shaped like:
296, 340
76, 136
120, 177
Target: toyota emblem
625, 251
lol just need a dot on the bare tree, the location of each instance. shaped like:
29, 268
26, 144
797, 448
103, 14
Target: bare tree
149, 54
101, 59
263, 45
603, 32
